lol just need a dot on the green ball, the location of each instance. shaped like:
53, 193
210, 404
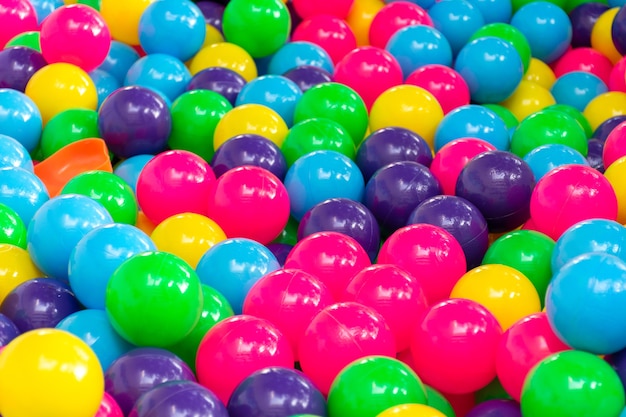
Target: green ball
576, 114
510, 34
195, 115
493, 391
438, 402
518, 4
527, 251
315, 135
260, 27
108, 189
336, 102
371, 385
94, 4
154, 299
68, 127
572, 384
289, 235
28, 39
548, 127
12, 228
505, 114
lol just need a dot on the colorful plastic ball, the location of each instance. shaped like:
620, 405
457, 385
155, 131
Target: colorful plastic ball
296, 54
617, 78
616, 361
176, 28
250, 119
119, 60
444, 83
280, 251
584, 18
105, 84
510, 34
307, 76
605, 106
577, 89
22, 191
454, 346
473, 121
237, 347
8, 330
224, 55
18, 268
548, 389
29, 39
213, 13
539, 72
17, 66
503, 408
594, 156
360, 18
615, 173
393, 17
140, 370
493, 391
584, 59
614, 145
602, 37
528, 98
13, 154
617, 28
108, 407
129, 169
494, 11
175, 182
249, 149
410, 410
18, 16
283, 99
306, 8
457, 20
483, 62
160, 72
568, 195
46, 361
223, 81
545, 158
20, 118
329, 32
123, 18
67, 127
12, 228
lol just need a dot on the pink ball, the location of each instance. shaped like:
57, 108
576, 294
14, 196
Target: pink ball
339, 335
395, 16
447, 85
75, 34
570, 194
109, 408
309, 8
250, 202
394, 293
430, 254
369, 71
584, 59
175, 182
617, 78
615, 145
332, 257
289, 299
454, 346
16, 16
452, 158
235, 348
331, 33
522, 346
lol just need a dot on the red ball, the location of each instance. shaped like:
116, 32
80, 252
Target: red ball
331, 33
393, 17
615, 145
587, 60
447, 85
309, 8
17, 16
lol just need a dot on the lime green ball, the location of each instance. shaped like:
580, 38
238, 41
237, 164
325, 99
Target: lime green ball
12, 228
576, 114
315, 135
289, 235
510, 34
505, 114
518, 4
68, 127
438, 402
95, 4
493, 391
28, 39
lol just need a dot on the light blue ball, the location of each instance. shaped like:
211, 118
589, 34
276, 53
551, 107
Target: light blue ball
494, 11
129, 169
14, 154
616, 3
577, 89
20, 118
547, 157
424, 4
163, 73
23, 191
296, 54
274, 91
44, 7
105, 84
457, 20
119, 60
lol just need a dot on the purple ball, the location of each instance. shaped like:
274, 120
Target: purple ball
396, 189
249, 149
213, 13
307, 76
583, 18
496, 408
594, 154
500, 184
17, 65
8, 330
280, 251
391, 144
134, 121
344, 216
461, 219
618, 31
276, 392
606, 127
139, 371
617, 360
39, 303
223, 81
178, 399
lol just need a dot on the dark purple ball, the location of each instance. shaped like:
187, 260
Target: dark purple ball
280, 251
179, 399
308, 76
249, 149
391, 144
583, 18
134, 121
618, 361
223, 81
461, 219
500, 184
618, 31
213, 13
344, 216
17, 65
606, 127
396, 189
594, 154
139, 371
496, 408
8, 330
39, 303
276, 392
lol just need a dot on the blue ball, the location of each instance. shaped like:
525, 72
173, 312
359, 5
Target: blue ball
119, 60
57, 227
98, 254
8, 330
457, 20
160, 72
94, 328
472, 121
296, 54
105, 84
233, 266
129, 169
424, 4
586, 303
44, 7
547, 157
20, 118
14, 154
23, 191
319, 176
419, 45
173, 27
494, 11
577, 89
491, 67
546, 27
274, 91
616, 3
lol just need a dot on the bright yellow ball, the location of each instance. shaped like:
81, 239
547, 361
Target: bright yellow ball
122, 17
540, 73
225, 55
528, 98
601, 108
251, 119
602, 38
616, 174
360, 19
213, 36
411, 410
16, 267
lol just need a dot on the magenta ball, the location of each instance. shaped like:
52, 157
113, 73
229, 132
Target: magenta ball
447, 85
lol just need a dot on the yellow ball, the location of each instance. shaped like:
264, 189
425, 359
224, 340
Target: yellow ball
502, 290
360, 19
602, 38
411, 410
539, 72
225, 55
122, 17
605, 106
51, 373
59, 87
15, 267
528, 98
410, 107
251, 119
187, 236
616, 174
213, 36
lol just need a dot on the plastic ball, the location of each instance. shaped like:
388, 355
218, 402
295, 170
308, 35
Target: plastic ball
329, 32
527, 99
444, 83
129, 169
224, 81
68, 127
473, 121
360, 19
181, 396
602, 37
504, 408
13, 154
410, 410
545, 158
29, 39
510, 34
393, 17
8, 330
285, 95
18, 16
19, 268
105, 84
457, 20
617, 78
604, 107
250, 119
577, 89
159, 72
568, 195
617, 29
594, 156
12, 228
539, 72
108, 407
584, 59
468, 363
614, 145
306, 9
296, 54
307, 76
510, 120
46, 360
17, 66
615, 173
20, 118
213, 13
584, 18
123, 19
23, 192
249, 149
119, 60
